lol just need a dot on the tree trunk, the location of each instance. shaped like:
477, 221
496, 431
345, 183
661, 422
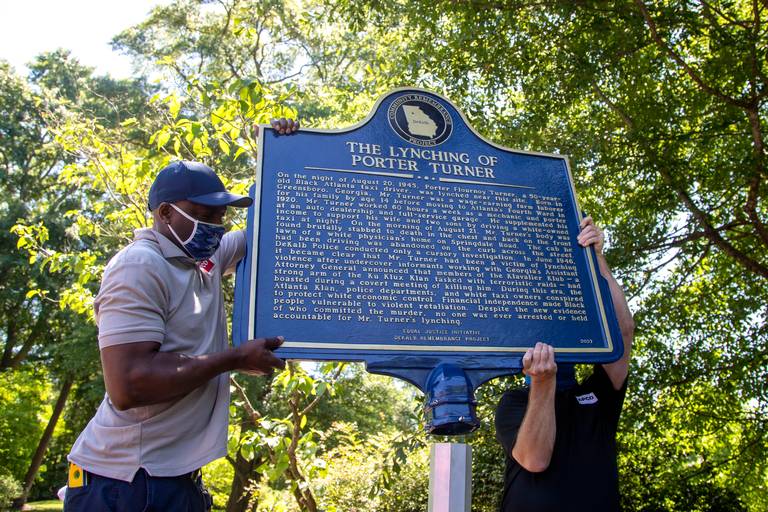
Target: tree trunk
239, 494
10, 343
245, 471
42, 446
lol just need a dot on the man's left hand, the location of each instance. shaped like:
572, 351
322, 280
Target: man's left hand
282, 126
591, 235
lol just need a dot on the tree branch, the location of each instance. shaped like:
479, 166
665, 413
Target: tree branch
690, 237
708, 7
317, 399
10, 342
37, 330
750, 208
681, 62
710, 232
249, 408
614, 107
753, 54
302, 492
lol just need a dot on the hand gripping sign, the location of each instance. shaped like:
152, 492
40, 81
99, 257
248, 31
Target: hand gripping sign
411, 243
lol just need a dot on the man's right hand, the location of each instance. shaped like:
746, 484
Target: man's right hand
539, 363
256, 357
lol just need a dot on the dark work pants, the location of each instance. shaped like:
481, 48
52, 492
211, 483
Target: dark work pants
144, 494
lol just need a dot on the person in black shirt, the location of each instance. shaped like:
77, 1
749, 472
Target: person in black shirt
560, 435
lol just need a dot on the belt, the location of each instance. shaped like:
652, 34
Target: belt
78, 477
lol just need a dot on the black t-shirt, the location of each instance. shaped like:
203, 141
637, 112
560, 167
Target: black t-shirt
582, 475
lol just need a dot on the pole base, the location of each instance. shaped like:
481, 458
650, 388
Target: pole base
450, 477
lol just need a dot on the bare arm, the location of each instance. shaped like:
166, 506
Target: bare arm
138, 374
617, 371
536, 436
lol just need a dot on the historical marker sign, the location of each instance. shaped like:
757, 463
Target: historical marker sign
408, 241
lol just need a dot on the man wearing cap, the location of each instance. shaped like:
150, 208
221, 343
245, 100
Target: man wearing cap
560, 435
165, 353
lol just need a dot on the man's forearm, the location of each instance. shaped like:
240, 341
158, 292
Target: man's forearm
617, 371
157, 377
536, 436
619, 299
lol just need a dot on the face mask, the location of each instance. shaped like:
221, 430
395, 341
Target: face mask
204, 239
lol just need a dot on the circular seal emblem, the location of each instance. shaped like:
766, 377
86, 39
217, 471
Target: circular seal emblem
419, 119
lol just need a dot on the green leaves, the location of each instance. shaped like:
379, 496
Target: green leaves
662, 108
660, 125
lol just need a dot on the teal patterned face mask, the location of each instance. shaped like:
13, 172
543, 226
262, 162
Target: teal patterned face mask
204, 239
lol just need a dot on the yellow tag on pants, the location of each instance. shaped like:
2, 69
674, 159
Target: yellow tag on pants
77, 476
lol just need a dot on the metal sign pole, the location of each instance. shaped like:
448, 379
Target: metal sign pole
450, 477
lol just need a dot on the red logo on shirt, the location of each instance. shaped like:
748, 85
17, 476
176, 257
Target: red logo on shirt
206, 266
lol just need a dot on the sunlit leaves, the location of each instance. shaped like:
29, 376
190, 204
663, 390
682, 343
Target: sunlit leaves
662, 112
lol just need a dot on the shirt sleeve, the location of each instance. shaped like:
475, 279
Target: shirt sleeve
509, 417
131, 305
612, 399
231, 250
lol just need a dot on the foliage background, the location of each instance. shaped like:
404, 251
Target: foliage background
661, 107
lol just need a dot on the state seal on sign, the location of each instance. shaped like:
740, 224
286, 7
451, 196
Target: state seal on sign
420, 119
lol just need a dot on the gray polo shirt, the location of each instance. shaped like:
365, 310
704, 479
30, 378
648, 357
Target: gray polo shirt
152, 291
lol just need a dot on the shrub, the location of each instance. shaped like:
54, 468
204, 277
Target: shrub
10, 488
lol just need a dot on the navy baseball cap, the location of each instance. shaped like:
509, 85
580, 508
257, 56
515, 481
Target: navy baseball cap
192, 181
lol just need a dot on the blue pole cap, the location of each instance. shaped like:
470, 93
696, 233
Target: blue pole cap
451, 403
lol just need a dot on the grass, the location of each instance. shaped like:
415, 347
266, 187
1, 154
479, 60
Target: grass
45, 506
54, 506
58, 506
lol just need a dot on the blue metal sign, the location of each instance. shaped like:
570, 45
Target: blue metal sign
411, 243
